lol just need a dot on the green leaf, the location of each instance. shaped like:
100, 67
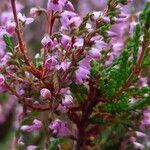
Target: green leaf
145, 15
136, 42
122, 105
8, 42
139, 91
113, 134
82, 27
96, 120
55, 143
38, 61
146, 60
141, 103
103, 31
79, 92
124, 2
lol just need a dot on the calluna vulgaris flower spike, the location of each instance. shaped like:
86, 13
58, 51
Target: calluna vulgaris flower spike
86, 86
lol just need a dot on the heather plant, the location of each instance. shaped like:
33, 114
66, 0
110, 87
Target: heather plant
87, 86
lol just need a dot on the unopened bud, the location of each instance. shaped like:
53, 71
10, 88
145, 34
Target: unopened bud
10, 27
45, 93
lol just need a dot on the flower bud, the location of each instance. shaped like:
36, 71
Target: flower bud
62, 109
45, 93
65, 40
25, 19
95, 53
10, 27
50, 63
31, 147
120, 20
37, 124
56, 5
64, 66
67, 101
112, 34
96, 15
69, 6
138, 146
140, 134
47, 42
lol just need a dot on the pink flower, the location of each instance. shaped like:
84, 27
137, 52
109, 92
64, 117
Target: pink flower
112, 34
69, 6
132, 25
3, 59
56, 5
143, 82
65, 40
6, 16
10, 27
138, 146
96, 15
120, 20
64, 66
47, 42
62, 109
117, 47
2, 47
67, 100
70, 19
122, 15
79, 42
83, 71
36, 125
140, 134
99, 44
89, 27
50, 63
31, 147
95, 53
145, 122
65, 91
24, 19
60, 128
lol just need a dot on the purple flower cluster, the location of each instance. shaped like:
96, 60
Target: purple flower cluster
52, 80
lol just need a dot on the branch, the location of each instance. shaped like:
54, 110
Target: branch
51, 20
95, 96
34, 71
136, 68
35, 107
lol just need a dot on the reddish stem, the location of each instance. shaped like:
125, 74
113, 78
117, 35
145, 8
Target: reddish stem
32, 68
50, 22
36, 107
